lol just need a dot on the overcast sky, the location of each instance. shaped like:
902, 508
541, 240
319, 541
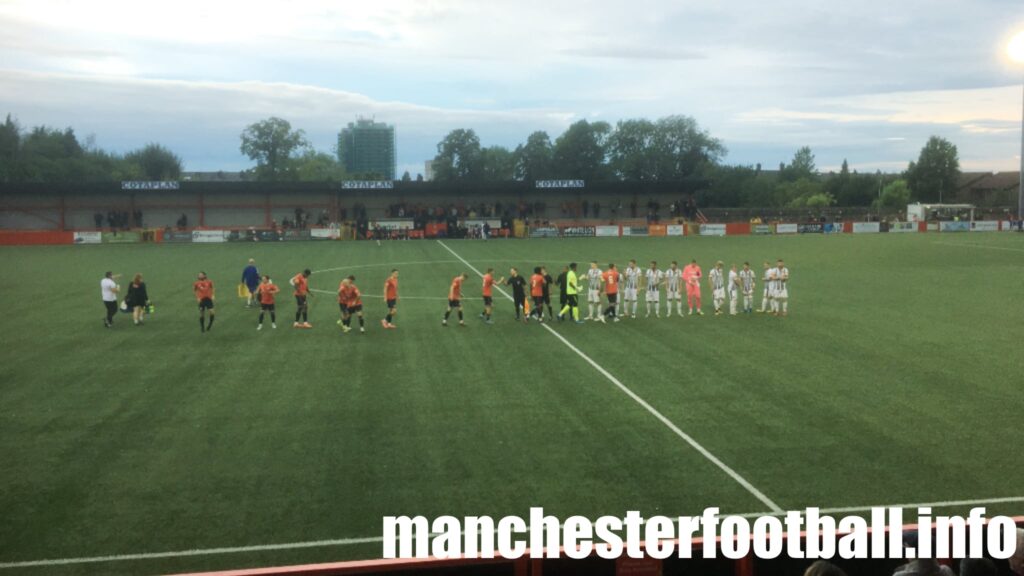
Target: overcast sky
868, 81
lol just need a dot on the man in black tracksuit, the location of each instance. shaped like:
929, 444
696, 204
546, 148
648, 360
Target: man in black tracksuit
518, 284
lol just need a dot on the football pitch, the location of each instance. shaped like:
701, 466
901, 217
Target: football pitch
896, 379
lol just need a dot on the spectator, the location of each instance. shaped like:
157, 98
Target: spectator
137, 299
921, 566
98, 219
109, 290
597, 209
1017, 560
978, 567
823, 568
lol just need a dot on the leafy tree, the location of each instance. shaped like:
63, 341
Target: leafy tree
632, 150
10, 142
802, 166
419, 177
406, 177
683, 149
315, 166
458, 157
935, 175
272, 144
156, 162
497, 164
533, 160
796, 193
895, 196
580, 151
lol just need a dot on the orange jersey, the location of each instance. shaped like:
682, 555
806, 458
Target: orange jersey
455, 292
692, 274
342, 293
537, 285
267, 291
391, 289
488, 285
611, 281
301, 285
355, 297
203, 289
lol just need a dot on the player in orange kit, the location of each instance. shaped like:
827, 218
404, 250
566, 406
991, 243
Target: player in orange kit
301, 285
611, 289
203, 289
391, 298
265, 292
455, 299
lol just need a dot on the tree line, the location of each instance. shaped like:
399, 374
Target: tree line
670, 149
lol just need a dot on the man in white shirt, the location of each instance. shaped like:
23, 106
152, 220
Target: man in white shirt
594, 278
653, 293
631, 285
733, 289
109, 290
674, 288
717, 280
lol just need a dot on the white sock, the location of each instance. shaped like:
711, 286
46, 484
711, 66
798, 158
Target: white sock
785, 306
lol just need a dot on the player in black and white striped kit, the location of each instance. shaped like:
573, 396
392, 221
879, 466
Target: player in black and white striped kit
630, 287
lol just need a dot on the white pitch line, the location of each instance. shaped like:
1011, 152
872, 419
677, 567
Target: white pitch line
377, 539
974, 245
643, 403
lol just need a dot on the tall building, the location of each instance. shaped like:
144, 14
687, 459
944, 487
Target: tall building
366, 147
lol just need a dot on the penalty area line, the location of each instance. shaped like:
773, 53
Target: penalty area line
750, 488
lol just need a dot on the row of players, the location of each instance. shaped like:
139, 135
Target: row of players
724, 286
634, 281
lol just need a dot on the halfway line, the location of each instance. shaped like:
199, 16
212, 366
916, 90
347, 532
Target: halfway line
668, 423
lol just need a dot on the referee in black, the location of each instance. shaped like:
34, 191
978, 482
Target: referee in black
547, 290
518, 284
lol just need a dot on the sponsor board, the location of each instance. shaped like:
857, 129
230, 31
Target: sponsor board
291, 235
761, 229
494, 223
177, 236
902, 227
810, 228
325, 233
544, 232
675, 230
578, 231
985, 226
393, 224
866, 228
88, 237
961, 226
121, 237
606, 231
833, 228
786, 229
209, 236
712, 229
634, 230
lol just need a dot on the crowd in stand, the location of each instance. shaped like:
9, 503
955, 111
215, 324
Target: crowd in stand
118, 219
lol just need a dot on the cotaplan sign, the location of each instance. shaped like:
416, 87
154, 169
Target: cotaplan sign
367, 185
147, 185
559, 183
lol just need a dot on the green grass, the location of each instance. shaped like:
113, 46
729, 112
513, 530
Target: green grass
896, 379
